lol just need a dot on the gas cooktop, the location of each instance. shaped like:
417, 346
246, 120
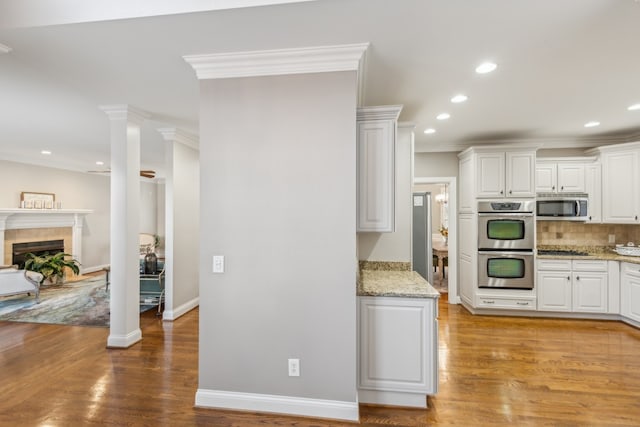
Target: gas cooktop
562, 252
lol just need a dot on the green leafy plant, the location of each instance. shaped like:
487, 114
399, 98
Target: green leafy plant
51, 267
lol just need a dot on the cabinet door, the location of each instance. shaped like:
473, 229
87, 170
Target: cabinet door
376, 157
593, 187
620, 187
546, 177
570, 178
466, 279
630, 294
490, 175
590, 292
467, 186
554, 290
520, 174
396, 346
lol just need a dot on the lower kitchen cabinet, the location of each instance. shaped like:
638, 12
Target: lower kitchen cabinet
630, 291
397, 350
573, 286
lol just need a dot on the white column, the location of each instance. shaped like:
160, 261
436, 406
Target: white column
125, 207
76, 237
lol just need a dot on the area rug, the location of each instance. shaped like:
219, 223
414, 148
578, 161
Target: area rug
83, 302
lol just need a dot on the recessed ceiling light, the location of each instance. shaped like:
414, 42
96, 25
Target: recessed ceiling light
429, 131
591, 124
443, 116
47, 152
634, 107
486, 67
99, 163
4, 48
459, 98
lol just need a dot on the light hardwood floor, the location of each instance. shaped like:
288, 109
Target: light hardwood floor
493, 371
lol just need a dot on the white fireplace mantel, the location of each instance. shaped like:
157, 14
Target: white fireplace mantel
16, 218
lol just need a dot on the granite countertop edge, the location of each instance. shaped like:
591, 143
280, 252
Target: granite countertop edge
602, 253
399, 284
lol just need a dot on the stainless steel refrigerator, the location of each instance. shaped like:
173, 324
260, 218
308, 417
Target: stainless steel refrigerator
422, 247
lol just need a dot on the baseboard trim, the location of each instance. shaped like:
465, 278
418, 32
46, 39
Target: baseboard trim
124, 341
290, 405
179, 311
393, 398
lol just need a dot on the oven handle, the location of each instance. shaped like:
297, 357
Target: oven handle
507, 214
527, 253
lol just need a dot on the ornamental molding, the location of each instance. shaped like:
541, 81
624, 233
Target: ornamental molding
125, 112
178, 135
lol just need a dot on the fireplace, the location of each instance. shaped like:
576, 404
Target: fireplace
20, 250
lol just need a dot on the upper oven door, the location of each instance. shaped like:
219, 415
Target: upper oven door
506, 231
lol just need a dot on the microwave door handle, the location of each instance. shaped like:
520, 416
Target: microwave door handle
577, 208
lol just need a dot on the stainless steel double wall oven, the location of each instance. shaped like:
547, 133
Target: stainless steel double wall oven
506, 238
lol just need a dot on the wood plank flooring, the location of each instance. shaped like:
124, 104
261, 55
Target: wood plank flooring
493, 371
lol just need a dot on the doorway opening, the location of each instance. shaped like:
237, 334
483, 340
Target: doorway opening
443, 233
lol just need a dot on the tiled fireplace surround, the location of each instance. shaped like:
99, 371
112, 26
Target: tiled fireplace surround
31, 225
581, 234
36, 235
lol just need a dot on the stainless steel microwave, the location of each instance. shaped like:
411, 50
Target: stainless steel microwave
562, 207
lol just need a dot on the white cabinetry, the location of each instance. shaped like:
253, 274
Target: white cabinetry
573, 286
494, 172
397, 350
467, 197
467, 224
505, 174
630, 291
376, 138
593, 187
558, 177
620, 185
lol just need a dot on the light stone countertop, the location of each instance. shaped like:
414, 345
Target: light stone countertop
595, 252
394, 283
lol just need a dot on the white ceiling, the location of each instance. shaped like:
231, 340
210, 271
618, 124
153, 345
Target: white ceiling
560, 65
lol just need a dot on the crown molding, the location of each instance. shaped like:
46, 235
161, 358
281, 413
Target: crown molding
178, 135
125, 111
383, 112
278, 62
406, 125
4, 48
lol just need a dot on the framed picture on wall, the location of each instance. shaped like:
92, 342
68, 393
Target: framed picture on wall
30, 200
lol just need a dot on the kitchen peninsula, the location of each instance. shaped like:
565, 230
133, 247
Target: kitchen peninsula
397, 335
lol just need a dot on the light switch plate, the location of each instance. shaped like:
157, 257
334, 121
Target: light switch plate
218, 264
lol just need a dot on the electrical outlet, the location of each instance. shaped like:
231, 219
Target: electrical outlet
294, 367
612, 238
218, 264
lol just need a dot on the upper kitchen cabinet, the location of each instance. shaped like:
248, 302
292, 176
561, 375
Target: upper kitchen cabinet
376, 142
498, 172
593, 187
620, 186
560, 177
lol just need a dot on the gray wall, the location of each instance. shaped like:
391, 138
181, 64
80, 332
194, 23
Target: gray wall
435, 164
394, 246
278, 201
182, 224
75, 190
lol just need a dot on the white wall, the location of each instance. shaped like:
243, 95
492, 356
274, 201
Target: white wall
148, 207
75, 190
394, 246
182, 229
286, 226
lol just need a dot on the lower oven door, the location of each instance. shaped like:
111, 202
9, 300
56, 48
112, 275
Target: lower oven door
497, 269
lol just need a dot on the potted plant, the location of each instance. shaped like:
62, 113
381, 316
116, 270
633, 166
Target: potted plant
52, 267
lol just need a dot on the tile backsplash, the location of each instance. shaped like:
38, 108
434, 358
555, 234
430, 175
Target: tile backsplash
578, 233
